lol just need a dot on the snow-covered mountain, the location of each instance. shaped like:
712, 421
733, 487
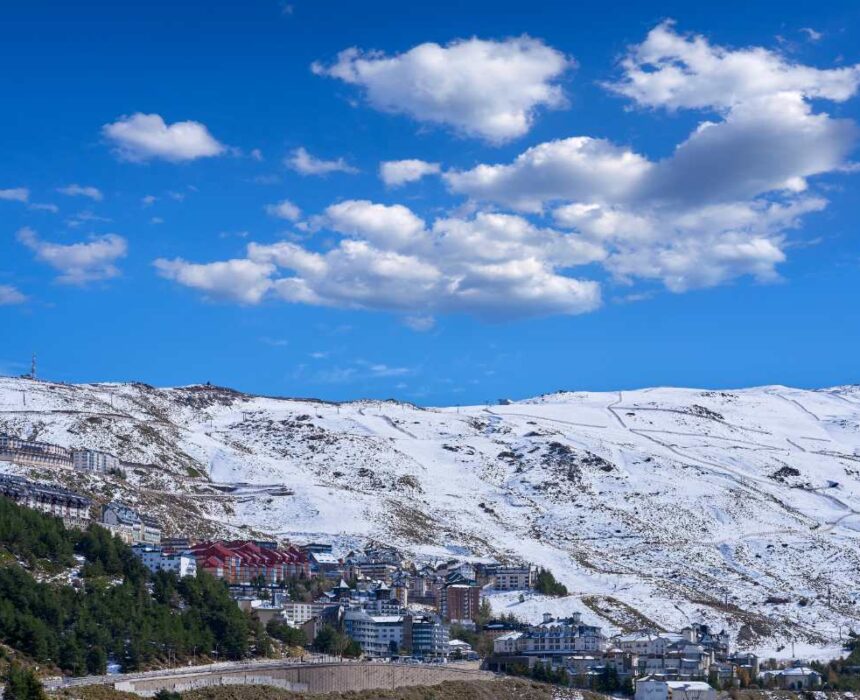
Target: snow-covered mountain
658, 506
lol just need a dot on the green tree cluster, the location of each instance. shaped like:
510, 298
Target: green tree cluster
21, 684
291, 636
332, 641
547, 584
120, 612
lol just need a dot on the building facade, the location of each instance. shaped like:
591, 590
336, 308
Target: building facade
378, 635
244, 561
73, 508
650, 689
129, 525
156, 559
460, 602
94, 461
515, 578
424, 636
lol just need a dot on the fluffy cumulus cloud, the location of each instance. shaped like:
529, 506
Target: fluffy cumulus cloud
10, 295
15, 194
284, 209
697, 247
675, 71
393, 227
142, 137
576, 168
395, 173
243, 281
304, 163
720, 204
492, 265
487, 89
547, 229
78, 263
82, 191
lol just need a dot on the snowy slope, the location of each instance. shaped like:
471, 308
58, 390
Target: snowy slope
656, 506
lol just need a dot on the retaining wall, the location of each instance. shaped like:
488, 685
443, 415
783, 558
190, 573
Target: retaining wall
311, 678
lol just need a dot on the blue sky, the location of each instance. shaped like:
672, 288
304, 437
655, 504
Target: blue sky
574, 198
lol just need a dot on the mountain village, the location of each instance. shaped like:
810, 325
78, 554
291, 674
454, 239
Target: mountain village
419, 611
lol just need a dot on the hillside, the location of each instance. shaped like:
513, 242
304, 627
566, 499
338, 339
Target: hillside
659, 506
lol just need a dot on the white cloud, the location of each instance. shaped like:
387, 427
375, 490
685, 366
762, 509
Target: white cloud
811, 34
677, 71
394, 227
573, 169
78, 263
275, 342
698, 247
82, 191
142, 137
720, 206
395, 173
53, 208
10, 295
148, 200
284, 209
85, 217
303, 162
243, 281
420, 324
488, 89
15, 194
494, 265
359, 370
766, 144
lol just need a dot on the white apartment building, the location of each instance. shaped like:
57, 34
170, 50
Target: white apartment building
94, 461
649, 689
507, 644
155, 559
515, 578
378, 635
299, 613
561, 637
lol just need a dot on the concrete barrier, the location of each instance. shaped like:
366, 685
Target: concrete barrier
310, 678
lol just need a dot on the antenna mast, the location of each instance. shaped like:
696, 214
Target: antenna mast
33, 366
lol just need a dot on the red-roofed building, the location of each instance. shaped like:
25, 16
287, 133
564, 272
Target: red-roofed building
243, 561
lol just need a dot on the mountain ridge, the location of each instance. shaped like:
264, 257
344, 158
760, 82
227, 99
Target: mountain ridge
654, 506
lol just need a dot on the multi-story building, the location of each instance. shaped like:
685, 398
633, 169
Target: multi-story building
320, 547
424, 636
655, 689
94, 461
515, 578
129, 525
73, 508
507, 644
156, 559
560, 637
693, 653
243, 561
325, 563
176, 543
378, 635
299, 613
460, 602
33, 453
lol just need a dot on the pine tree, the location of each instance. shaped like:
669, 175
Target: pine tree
22, 684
